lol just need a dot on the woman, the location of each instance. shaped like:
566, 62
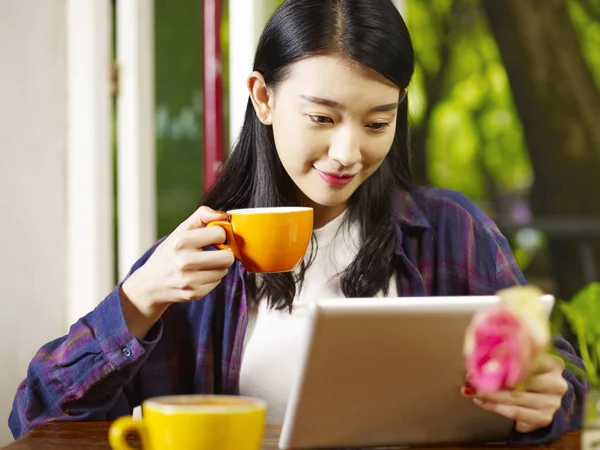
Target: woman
326, 126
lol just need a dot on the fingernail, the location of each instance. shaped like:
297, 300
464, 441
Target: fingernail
468, 390
478, 401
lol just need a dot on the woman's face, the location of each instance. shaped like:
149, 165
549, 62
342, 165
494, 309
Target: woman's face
333, 122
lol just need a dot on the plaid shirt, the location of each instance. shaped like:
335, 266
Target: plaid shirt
445, 245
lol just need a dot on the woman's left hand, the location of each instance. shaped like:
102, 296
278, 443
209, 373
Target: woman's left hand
533, 407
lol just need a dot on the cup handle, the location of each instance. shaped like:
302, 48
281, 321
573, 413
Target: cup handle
119, 430
230, 238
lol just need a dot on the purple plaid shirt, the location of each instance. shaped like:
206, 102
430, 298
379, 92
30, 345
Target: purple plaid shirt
445, 245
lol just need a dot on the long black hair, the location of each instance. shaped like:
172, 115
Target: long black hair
372, 33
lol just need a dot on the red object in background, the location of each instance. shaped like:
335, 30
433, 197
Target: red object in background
212, 91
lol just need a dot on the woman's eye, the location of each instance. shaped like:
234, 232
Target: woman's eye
320, 120
378, 126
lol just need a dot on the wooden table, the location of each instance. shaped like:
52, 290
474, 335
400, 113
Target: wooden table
94, 435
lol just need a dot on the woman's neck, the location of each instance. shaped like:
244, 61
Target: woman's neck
325, 214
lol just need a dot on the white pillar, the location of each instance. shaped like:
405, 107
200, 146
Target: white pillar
89, 161
136, 137
246, 22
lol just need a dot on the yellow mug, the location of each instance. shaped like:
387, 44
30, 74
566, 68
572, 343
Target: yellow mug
268, 240
194, 422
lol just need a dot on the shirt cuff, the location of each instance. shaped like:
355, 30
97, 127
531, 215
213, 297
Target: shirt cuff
119, 346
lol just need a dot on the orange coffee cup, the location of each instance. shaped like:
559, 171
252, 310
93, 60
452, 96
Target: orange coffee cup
268, 240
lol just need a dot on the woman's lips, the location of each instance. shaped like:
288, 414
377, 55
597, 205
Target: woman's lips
335, 179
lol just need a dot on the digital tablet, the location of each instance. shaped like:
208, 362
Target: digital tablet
387, 371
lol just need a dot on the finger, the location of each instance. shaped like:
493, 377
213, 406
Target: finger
200, 291
550, 383
198, 238
193, 282
526, 419
200, 218
204, 277
523, 427
524, 399
193, 260
548, 363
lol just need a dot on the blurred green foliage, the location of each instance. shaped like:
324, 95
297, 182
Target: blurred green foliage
475, 141
178, 110
473, 128
586, 17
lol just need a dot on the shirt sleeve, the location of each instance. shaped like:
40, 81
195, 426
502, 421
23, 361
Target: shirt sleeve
83, 375
569, 416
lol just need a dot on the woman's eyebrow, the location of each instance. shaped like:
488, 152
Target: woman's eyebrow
333, 104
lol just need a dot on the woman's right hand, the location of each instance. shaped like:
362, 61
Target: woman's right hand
178, 271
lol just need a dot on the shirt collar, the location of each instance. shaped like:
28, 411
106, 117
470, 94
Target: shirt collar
407, 212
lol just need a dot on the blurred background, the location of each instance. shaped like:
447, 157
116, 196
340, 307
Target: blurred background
114, 115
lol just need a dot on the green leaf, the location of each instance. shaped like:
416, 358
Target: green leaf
584, 307
583, 315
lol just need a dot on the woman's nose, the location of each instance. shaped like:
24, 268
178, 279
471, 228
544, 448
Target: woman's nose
345, 148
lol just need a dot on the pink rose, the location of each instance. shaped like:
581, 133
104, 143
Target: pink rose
502, 343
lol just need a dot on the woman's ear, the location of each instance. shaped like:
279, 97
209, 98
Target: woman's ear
261, 97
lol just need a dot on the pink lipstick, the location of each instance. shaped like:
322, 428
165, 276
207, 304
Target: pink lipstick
336, 179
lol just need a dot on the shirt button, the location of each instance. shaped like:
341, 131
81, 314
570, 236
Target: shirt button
127, 352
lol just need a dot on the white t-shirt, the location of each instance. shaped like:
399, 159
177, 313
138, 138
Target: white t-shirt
272, 342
